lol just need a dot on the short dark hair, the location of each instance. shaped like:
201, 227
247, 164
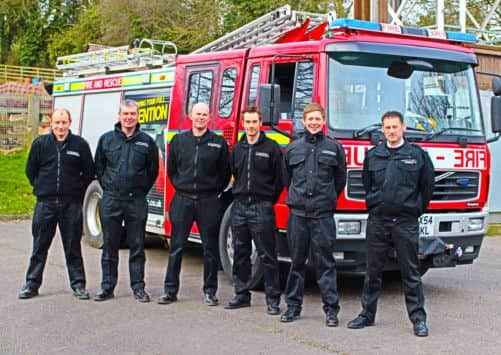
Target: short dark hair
312, 107
251, 109
389, 114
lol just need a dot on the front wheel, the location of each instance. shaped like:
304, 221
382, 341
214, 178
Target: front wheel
226, 252
93, 233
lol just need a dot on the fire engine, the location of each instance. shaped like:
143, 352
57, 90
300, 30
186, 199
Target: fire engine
356, 69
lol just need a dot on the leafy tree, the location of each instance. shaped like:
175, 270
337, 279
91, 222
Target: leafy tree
11, 23
189, 24
242, 12
74, 39
28, 25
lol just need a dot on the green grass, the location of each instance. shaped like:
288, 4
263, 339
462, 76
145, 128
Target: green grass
494, 229
16, 196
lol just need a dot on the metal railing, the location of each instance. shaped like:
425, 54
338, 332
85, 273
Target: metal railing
19, 73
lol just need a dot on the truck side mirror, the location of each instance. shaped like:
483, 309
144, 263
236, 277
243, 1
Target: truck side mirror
269, 103
496, 113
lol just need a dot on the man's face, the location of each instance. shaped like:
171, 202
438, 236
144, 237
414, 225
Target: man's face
60, 124
200, 116
252, 124
393, 130
314, 122
128, 117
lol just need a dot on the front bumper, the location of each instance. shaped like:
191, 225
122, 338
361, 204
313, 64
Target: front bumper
448, 240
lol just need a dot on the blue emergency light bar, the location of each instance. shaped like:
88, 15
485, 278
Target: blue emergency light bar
396, 29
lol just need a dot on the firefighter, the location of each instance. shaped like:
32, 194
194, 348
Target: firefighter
126, 167
59, 168
398, 179
198, 168
315, 172
256, 164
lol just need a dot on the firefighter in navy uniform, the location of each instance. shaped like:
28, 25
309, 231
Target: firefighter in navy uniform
256, 164
315, 173
59, 168
398, 178
199, 170
126, 167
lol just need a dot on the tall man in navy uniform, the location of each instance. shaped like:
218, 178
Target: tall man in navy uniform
199, 170
398, 179
126, 167
59, 168
315, 168
256, 164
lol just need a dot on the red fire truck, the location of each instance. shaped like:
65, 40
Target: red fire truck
281, 62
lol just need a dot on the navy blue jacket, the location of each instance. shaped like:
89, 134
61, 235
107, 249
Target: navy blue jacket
315, 173
257, 169
60, 171
198, 166
398, 181
126, 167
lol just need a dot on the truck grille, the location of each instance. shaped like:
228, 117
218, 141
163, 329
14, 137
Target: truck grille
450, 186
155, 200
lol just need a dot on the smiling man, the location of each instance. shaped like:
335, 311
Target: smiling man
398, 179
59, 168
126, 167
315, 172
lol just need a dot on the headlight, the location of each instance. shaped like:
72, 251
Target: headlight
475, 224
349, 227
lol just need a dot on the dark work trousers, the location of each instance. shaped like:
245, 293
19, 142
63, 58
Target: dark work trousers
254, 221
183, 211
119, 217
47, 215
383, 233
320, 235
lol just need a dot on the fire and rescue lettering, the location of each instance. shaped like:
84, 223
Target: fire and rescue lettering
108, 83
443, 158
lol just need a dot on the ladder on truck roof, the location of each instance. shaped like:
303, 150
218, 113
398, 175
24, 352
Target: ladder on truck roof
264, 30
144, 53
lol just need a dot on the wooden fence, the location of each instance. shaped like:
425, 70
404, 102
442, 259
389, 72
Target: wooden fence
22, 118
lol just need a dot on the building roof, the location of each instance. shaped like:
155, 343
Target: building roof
16, 88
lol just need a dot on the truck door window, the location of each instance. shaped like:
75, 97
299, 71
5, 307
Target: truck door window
303, 89
227, 95
254, 80
200, 88
296, 89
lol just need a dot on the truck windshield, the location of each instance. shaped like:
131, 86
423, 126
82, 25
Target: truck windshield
438, 98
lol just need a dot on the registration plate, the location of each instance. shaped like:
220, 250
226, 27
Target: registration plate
426, 225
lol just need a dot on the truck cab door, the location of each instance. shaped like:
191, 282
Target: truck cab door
296, 78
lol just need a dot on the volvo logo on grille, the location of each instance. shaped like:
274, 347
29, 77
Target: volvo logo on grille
463, 182
443, 176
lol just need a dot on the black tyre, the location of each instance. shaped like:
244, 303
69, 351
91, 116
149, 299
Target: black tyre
93, 233
226, 252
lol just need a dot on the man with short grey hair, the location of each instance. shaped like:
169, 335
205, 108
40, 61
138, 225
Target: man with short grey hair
126, 167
